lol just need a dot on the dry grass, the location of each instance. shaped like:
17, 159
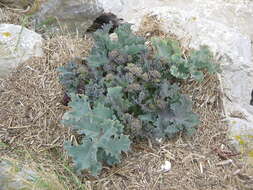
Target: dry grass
30, 97
7, 16
30, 126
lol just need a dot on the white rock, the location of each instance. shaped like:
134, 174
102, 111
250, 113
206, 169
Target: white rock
73, 16
227, 28
235, 49
115, 6
17, 44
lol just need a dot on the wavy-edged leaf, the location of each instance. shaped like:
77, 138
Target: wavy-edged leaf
103, 132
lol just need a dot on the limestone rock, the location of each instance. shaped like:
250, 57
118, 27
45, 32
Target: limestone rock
17, 44
14, 177
20, 175
234, 48
226, 27
71, 15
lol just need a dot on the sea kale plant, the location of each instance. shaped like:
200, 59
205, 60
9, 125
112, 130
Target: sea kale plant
127, 90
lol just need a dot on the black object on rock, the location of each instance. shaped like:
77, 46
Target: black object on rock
251, 101
105, 18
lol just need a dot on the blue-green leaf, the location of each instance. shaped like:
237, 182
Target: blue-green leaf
103, 132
